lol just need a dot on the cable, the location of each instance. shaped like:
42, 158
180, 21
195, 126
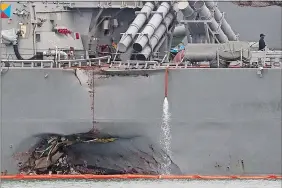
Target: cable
18, 55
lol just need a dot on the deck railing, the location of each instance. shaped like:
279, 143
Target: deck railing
27, 63
269, 59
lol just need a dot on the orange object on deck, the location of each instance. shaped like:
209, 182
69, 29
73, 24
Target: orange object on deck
166, 82
136, 176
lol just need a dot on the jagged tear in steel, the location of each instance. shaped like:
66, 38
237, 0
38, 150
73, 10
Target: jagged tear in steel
91, 153
258, 3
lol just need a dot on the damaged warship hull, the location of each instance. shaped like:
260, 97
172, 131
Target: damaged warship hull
45, 137
60, 116
218, 126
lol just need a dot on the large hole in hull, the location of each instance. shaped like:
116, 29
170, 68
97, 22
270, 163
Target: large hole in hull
94, 153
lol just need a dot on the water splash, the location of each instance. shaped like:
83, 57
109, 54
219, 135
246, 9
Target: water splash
166, 137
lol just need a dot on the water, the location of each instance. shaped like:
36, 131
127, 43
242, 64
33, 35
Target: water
166, 136
142, 184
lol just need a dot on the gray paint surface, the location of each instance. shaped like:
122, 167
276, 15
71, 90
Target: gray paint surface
218, 117
33, 104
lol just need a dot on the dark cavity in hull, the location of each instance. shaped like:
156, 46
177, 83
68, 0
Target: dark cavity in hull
94, 153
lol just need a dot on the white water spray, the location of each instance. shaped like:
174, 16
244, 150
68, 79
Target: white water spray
166, 137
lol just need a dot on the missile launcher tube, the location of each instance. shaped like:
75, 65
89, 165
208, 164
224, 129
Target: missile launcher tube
135, 26
179, 31
150, 28
218, 16
154, 40
211, 4
226, 28
188, 14
205, 14
187, 11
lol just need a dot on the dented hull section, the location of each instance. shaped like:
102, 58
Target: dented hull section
223, 121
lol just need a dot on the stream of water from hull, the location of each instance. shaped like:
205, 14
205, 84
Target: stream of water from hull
166, 136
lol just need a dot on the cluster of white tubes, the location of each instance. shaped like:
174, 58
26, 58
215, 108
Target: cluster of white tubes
156, 27
153, 30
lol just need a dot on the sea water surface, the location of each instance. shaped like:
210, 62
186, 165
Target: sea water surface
142, 184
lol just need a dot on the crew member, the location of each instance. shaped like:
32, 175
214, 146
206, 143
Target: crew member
262, 43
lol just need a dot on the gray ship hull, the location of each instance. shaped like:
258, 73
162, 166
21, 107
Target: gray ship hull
223, 121
39, 101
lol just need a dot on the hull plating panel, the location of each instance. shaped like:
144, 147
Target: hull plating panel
40, 101
222, 121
